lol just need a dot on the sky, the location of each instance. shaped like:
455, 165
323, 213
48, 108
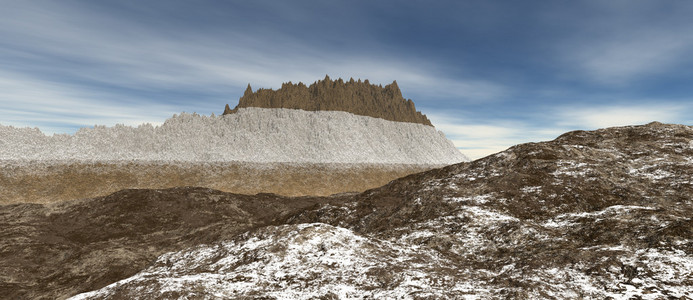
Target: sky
489, 74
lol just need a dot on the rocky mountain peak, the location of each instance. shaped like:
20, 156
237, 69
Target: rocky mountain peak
354, 96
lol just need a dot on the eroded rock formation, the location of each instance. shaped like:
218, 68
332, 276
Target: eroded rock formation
357, 97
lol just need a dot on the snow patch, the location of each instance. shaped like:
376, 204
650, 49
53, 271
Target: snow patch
531, 189
473, 200
571, 168
570, 219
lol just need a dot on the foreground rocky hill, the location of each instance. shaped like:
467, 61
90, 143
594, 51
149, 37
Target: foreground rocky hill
57, 250
356, 97
600, 214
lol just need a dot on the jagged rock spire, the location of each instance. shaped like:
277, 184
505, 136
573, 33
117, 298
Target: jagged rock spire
357, 97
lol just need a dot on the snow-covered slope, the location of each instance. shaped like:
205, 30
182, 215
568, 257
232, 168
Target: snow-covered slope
310, 261
305, 261
250, 135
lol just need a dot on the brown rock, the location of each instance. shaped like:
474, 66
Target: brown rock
67, 181
357, 97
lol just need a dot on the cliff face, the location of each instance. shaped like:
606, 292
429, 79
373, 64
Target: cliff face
357, 97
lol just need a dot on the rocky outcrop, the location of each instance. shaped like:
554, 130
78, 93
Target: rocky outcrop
357, 97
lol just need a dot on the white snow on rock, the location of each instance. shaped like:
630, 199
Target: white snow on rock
303, 261
250, 135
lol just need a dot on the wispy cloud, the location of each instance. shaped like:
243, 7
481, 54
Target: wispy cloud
618, 43
56, 108
618, 60
478, 139
602, 116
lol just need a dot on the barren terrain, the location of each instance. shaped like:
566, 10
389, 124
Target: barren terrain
41, 182
599, 214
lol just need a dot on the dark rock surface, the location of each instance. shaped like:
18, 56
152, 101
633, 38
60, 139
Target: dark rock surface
357, 97
596, 215
57, 250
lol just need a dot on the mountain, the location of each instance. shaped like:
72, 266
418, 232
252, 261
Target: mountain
591, 214
255, 135
356, 97
292, 152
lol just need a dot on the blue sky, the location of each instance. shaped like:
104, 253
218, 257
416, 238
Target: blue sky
490, 74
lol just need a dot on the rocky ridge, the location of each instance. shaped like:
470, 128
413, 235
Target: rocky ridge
599, 214
357, 97
258, 135
286, 151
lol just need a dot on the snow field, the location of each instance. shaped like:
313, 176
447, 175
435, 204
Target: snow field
252, 135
